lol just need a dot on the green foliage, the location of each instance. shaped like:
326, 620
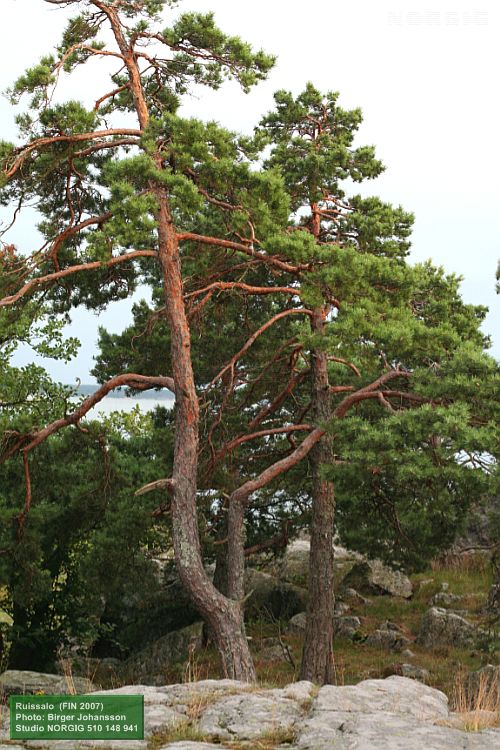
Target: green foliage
84, 546
195, 35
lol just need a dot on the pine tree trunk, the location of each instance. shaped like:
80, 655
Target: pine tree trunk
223, 616
317, 655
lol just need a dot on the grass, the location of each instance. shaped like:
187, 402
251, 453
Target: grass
477, 708
183, 730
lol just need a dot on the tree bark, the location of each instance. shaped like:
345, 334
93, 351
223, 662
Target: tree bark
317, 654
223, 616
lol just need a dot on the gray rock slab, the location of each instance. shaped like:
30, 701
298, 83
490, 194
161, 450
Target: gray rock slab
190, 746
87, 744
386, 731
21, 682
247, 717
398, 695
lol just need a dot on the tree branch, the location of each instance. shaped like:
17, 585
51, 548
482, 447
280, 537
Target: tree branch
137, 382
229, 244
368, 391
75, 269
253, 337
25, 151
273, 471
226, 285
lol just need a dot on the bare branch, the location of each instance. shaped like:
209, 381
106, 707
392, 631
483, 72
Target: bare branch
273, 471
227, 285
137, 382
253, 337
159, 484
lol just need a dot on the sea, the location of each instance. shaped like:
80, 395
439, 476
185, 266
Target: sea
121, 400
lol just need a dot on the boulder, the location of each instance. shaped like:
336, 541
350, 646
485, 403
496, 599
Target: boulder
270, 598
340, 608
346, 627
354, 597
149, 665
297, 623
293, 566
440, 627
373, 577
408, 670
23, 682
387, 639
445, 599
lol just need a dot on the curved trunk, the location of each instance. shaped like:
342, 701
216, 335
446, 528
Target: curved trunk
223, 616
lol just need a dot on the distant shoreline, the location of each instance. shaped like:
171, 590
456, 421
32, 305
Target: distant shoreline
152, 395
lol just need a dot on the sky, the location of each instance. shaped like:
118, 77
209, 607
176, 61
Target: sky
424, 75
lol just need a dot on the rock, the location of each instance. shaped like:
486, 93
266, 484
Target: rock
297, 623
23, 682
392, 714
149, 665
395, 695
373, 577
271, 598
340, 608
408, 670
272, 653
386, 731
101, 671
300, 691
445, 599
480, 532
440, 627
407, 653
247, 717
389, 640
294, 564
346, 627
355, 597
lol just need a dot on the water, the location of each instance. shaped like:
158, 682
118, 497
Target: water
111, 403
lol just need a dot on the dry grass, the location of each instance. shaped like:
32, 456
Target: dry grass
181, 731
464, 562
478, 706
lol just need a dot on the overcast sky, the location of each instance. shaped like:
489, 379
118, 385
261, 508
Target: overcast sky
424, 74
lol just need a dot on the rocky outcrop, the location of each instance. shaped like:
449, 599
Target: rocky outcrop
149, 665
270, 598
440, 627
21, 682
388, 637
373, 577
293, 566
392, 714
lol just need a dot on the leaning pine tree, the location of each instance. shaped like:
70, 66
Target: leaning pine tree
125, 204
176, 202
